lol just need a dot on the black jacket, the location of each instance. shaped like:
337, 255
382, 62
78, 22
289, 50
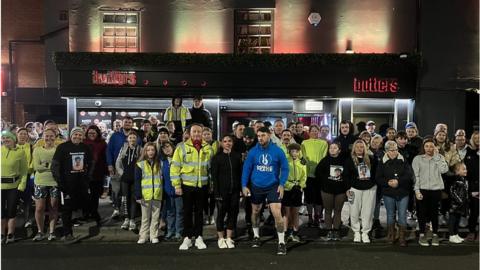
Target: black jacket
226, 171
346, 142
201, 116
408, 152
395, 169
472, 162
416, 142
325, 175
238, 145
350, 174
72, 167
459, 196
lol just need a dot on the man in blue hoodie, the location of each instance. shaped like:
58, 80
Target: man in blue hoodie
266, 167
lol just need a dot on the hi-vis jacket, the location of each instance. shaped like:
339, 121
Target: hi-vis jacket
297, 175
148, 181
313, 150
14, 168
181, 114
189, 166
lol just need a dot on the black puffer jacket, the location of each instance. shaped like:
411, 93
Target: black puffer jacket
201, 116
472, 162
398, 169
459, 196
226, 171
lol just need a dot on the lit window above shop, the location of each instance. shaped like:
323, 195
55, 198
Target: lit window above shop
120, 32
254, 31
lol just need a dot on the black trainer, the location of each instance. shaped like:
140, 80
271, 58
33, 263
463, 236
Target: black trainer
256, 242
282, 249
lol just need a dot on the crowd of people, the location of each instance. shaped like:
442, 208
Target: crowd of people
177, 174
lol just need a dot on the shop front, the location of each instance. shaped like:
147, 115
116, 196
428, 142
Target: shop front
312, 88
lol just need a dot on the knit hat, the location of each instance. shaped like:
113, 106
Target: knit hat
411, 125
76, 129
249, 132
163, 129
8, 134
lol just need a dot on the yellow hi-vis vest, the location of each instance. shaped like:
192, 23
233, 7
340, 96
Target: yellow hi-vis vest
183, 115
151, 181
313, 150
189, 166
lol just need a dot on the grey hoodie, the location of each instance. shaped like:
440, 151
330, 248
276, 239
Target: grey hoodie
428, 172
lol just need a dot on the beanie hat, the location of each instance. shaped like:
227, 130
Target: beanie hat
411, 125
249, 132
76, 129
8, 134
163, 129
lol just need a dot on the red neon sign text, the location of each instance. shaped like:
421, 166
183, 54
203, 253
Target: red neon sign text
375, 85
118, 78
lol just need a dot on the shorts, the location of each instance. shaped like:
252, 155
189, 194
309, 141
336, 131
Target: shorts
292, 198
43, 192
313, 192
259, 195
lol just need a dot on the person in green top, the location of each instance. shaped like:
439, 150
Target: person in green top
313, 150
45, 185
14, 178
292, 198
23, 142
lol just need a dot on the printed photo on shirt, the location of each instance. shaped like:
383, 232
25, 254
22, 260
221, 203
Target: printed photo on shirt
77, 163
335, 173
363, 172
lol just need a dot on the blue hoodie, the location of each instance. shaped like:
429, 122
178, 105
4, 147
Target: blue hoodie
167, 182
115, 144
265, 167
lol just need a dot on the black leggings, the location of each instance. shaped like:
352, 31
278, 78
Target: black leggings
193, 198
473, 217
453, 222
333, 202
96, 190
9, 203
228, 206
427, 209
130, 205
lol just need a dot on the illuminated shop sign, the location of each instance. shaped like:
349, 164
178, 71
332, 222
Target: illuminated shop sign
375, 85
119, 78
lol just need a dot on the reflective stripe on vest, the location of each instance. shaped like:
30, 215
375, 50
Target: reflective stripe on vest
183, 115
151, 182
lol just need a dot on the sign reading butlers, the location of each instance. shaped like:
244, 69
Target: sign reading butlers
375, 85
119, 78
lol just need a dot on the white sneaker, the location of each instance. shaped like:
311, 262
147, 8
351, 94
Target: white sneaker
115, 213
125, 224
132, 226
459, 238
199, 243
221, 243
186, 244
212, 220
453, 239
365, 238
357, 238
154, 240
230, 243
141, 241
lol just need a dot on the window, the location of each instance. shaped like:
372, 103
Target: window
254, 31
63, 15
120, 32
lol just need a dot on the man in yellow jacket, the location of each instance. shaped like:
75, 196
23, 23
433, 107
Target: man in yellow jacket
189, 173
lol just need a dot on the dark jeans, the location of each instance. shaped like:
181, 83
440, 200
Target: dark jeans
453, 221
130, 205
209, 204
427, 209
71, 203
96, 190
248, 210
333, 203
473, 217
228, 206
193, 199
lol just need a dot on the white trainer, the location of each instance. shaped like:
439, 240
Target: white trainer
453, 239
186, 244
125, 224
154, 240
141, 241
199, 243
357, 238
230, 243
221, 243
365, 238
459, 238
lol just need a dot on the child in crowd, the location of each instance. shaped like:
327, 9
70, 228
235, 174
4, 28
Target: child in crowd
292, 199
148, 192
173, 202
459, 206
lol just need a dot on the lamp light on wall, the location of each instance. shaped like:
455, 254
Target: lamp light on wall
349, 48
314, 18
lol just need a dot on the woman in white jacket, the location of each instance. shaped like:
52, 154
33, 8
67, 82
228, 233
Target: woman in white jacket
428, 168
